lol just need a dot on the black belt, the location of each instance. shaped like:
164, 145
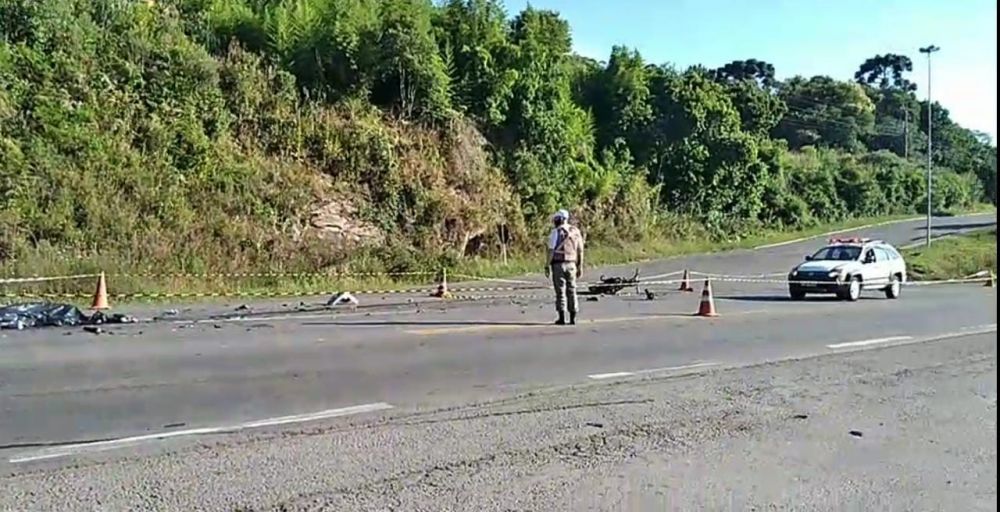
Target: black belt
556, 262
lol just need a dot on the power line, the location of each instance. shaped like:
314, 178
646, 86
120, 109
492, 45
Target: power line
824, 123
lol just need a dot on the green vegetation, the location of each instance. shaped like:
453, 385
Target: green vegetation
394, 135
954, 257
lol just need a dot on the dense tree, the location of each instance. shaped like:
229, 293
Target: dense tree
886, 71
408, 72
475, 41
620, 97
825, 112
751, 69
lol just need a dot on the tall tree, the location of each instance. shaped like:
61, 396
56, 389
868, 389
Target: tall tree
751, 69
409, 73
551, 135
322, 42
887, 72
474, 38
620, 97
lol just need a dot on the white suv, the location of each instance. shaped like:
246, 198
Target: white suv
847, 266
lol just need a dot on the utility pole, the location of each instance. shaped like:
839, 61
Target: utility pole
906, 133
929, 50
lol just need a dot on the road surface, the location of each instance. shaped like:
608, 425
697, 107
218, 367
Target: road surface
488, 407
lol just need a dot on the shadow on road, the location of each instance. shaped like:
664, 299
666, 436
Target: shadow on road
967, 225
426, 323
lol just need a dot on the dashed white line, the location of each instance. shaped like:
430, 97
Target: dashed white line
874, 341
99, 446
615, 375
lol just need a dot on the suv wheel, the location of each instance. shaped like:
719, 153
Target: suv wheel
852, 290
892, 291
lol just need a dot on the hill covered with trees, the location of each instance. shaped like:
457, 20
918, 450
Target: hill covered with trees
261, 134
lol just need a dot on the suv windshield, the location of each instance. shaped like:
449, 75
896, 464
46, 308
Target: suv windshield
837, 252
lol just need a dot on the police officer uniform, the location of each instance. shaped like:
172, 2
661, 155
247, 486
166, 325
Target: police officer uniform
565, 265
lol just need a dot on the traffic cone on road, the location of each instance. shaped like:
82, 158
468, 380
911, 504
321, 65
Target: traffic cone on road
707, 306
686, 283
442, 289
100, 295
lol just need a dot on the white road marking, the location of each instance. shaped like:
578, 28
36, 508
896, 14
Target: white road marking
615, 375
966, 331
875, 341
98, 446
675, 368
828, 233
612, 375
982, 328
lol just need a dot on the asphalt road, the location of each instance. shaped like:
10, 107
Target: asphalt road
69, 398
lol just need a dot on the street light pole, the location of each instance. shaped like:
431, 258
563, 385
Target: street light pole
929, 50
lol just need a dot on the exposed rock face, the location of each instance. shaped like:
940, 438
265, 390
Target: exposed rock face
339, 223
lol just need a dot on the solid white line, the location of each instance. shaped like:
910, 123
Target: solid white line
875, 341
675, 368
615, 375
97, 446
983, 327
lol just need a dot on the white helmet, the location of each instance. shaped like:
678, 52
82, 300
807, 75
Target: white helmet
561, 215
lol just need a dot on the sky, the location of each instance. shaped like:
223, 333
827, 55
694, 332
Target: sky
805, 37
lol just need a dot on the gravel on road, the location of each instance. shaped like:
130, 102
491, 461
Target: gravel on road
911, 427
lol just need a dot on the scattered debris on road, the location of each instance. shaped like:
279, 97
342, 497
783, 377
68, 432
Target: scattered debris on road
93, 329
593, 299
649, 294
800, 416
856, 433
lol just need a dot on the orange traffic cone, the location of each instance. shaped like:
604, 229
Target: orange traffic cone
100, 295
442, 289
707, 306
686, 283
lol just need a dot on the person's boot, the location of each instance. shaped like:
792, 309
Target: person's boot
562, 319
572, 317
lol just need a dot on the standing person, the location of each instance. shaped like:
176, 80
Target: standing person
565, 265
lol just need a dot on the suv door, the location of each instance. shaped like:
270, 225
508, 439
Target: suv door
871, 271
884, 265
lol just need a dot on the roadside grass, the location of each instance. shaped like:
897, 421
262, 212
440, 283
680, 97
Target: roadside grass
954, 257
129, 287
